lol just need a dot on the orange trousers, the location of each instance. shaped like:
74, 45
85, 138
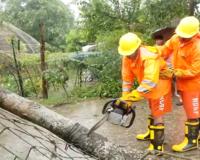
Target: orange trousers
161, 106
191, 104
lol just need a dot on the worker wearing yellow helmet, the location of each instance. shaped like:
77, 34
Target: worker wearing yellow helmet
185, 49
144, 64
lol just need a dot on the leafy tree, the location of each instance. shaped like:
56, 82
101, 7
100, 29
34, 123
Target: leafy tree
75, 39
160, 13
99, 16
27, 15
141, 16
105, 21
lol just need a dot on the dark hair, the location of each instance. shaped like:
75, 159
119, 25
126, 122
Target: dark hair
158, 37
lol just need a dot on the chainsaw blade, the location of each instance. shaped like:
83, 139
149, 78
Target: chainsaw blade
99, 123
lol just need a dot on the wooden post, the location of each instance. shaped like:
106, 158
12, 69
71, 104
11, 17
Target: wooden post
18, 46
192, 4
42, 58
80, 75
17, 67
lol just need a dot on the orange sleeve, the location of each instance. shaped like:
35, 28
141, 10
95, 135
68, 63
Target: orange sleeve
151, 75
194, 69
167, 49
127, 75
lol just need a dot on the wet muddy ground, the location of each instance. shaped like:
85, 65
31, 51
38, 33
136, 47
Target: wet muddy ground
88, 113
26, 140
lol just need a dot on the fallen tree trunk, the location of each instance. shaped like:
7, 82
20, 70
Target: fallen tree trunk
64, 128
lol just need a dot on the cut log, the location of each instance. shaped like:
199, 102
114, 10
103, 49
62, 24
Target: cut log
66, 129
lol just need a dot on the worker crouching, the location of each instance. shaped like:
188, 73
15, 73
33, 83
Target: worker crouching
150, 70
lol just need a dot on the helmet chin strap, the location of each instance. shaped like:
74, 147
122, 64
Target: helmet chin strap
135, 54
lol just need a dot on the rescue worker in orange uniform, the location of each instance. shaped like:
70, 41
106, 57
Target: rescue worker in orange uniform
185, 49
159, 41
145, 64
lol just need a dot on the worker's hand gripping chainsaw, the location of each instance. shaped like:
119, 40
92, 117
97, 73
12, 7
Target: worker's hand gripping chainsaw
117, 112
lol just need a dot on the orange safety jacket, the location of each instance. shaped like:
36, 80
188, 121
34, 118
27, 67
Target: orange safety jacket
145, 67
185, 56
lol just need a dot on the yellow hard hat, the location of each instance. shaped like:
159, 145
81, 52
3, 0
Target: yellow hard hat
128, 44
188, 27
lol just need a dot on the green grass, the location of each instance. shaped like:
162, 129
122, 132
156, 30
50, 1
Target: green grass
59, 97
54, 98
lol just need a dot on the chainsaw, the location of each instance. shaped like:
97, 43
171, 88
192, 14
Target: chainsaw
116, 112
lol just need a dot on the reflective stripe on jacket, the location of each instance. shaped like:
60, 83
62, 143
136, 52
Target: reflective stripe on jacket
186, 56
145, 67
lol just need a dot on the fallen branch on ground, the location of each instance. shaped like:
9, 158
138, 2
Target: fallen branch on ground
66, 129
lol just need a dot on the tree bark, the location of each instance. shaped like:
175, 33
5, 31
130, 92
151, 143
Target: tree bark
192, 4
66, 129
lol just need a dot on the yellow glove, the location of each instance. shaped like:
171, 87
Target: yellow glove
123, 100
129, 98
123, 104
182, 73
125, 94
166, 73
133, 96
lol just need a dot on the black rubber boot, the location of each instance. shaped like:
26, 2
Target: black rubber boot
146, 136
191, 138
156, 138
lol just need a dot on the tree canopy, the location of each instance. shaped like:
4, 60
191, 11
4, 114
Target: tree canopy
142, 16
27, 15
98, 18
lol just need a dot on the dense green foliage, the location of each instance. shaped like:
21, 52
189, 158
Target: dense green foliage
28, 14
56, 73
107, 70
143, 17
75, 40
99, 18
104, 21
101, 22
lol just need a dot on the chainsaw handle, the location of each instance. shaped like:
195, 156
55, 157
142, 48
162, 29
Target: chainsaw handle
109, 105
105, 107
132, 119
